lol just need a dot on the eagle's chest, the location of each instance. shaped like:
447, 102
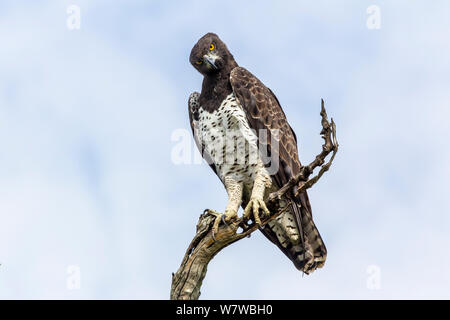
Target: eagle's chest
228, 140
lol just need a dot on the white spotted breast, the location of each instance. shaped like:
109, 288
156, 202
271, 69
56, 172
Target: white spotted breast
226, 136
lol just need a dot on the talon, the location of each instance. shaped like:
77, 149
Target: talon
220, 217
253, 207
223, 220
212, 212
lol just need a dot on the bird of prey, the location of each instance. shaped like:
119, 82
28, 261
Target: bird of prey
241, 130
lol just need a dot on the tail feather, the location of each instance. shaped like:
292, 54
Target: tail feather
312, 244
295, 233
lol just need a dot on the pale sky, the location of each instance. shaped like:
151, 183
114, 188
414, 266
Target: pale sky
87, 182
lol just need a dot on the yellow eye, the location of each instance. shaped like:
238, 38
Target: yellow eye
211, 47
199, 62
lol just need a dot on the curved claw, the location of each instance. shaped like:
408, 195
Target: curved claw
254, 206
220, 217
223, 220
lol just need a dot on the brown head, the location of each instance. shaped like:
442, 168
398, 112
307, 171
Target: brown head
211, 56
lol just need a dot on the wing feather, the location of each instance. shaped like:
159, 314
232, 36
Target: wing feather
264, 111
193, 106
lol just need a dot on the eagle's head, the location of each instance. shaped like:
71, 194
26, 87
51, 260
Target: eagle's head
210, 55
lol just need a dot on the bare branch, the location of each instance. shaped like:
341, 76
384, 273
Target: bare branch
331, 145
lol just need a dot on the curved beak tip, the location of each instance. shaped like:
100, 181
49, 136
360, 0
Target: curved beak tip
210, 61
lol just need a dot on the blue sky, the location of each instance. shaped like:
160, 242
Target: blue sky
86, 119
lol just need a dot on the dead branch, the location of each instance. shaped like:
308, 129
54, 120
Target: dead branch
187, 281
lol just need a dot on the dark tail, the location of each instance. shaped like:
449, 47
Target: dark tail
295, 233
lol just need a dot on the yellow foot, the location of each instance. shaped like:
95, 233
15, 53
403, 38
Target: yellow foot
228, 216
253, 206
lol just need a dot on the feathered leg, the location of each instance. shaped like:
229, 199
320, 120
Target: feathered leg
261, 182
234, 189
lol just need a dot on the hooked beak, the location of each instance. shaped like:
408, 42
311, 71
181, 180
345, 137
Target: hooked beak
210, 61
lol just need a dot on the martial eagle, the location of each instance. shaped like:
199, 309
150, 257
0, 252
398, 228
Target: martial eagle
234, 118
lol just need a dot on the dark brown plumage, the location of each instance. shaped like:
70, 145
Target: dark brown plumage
263, 111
